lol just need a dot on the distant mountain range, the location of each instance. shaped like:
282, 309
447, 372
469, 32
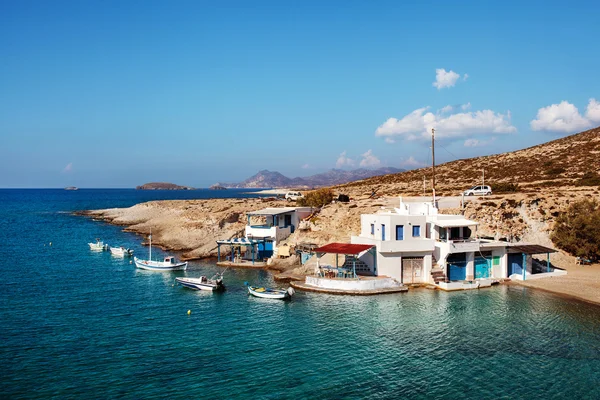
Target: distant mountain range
273, 179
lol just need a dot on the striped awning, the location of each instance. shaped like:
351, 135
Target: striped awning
240, 241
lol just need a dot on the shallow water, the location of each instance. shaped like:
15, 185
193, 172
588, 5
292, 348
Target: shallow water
75, 323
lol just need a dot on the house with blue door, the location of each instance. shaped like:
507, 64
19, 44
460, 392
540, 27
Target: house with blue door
265, 229
416, 244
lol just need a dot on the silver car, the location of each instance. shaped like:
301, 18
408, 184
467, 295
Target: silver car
481, 190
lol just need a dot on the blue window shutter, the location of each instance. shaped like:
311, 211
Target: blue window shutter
399, 232
416, 231
372, 229
382, 232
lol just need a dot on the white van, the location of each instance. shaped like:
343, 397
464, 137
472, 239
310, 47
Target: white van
480, 190
289, 196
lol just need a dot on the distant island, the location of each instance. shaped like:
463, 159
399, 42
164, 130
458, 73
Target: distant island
217, 187
71, 188
162, 186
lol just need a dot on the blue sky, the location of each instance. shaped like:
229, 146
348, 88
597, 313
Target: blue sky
118, 93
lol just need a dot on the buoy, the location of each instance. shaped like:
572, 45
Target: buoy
50, 243
130, 262
189, 312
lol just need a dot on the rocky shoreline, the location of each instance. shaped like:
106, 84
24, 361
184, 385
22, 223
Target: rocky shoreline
193, 226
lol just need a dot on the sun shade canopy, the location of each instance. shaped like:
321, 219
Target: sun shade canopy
272, 211
343, 248
532, 249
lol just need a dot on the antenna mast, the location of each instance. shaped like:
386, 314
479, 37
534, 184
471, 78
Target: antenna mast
433, 163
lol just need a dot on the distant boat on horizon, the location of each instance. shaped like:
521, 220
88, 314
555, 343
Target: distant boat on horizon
71, 188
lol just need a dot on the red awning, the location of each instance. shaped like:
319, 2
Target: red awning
343, 248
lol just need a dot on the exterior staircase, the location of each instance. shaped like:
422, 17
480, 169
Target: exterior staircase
438, 273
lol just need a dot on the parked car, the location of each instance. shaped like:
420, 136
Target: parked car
289, 196
481, 190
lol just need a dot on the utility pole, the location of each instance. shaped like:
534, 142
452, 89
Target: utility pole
483, 177
433, 163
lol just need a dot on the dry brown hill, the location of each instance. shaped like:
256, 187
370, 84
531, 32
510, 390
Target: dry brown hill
561, 162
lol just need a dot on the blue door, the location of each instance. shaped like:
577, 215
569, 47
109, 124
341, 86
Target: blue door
515, 264
382, 232
265, 250
482, 267
457, 270
399, 232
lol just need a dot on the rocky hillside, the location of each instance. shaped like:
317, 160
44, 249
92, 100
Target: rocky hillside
570, 161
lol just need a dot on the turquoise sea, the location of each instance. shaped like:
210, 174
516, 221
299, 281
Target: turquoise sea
79, 324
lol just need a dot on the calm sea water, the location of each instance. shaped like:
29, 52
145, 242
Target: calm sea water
79, 324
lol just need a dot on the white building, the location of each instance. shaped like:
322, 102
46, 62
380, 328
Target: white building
415, 244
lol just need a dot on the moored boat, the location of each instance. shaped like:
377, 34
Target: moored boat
121, 251
98, 246
203, 283
269, 293
168, 264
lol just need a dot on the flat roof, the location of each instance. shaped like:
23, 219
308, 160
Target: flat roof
343, 248
454, 222
532, 248
272, 211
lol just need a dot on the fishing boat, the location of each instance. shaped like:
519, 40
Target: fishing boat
213, 284
98, 246
168, 264
121, 251
268, 293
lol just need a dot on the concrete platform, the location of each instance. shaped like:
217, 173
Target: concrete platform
363, 286
242, 264
467, 285
310, 288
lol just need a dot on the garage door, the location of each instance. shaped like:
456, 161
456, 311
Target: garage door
515, 264
457, 267
412, 269
483, 267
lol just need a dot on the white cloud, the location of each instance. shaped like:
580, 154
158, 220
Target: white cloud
446, 109
565, 117
369, 160
478, 143
466, 107
410, 162
306, 166
344, 161
444, 79
68, 168
465, 77
593, 111
389, 140
418, 124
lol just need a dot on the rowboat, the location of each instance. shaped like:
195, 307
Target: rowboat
203, 283
168, 264
98, 246
121, 251
269, 293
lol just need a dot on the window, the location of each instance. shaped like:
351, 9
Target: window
443, 234
399, 232
372, 229
416, 230
382, 232
454, 233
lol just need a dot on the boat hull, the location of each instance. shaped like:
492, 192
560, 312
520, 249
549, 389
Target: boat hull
98, 247
275, 294
198, 284
150, 265
120, 252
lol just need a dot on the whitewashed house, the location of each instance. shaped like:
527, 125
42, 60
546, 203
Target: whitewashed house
415, 244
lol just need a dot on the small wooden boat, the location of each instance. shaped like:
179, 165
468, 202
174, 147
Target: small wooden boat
213, 284
169, 263
121, 251
98, 246
268, 293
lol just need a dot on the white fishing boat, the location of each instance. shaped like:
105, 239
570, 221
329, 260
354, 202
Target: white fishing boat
168, 264
121, 251
268, 293
98, 246
203, 283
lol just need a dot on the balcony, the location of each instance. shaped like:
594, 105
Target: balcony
274, 232
397, 246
